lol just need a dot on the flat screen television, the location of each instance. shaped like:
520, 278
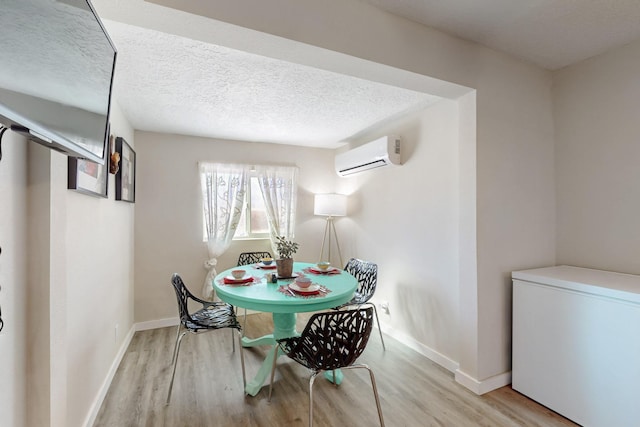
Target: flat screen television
56, 75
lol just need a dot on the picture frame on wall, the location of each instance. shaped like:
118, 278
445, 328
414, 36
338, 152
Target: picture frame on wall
126, 175
87, 177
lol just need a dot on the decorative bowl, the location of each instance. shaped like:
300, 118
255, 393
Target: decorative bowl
267, 261
303, 282
237, 274
323, 265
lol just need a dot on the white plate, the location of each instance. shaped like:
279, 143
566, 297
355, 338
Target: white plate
261, 265
310, 289
242, 279
293, 276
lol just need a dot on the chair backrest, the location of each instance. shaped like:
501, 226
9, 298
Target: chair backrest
246, 258
182, 294
335, 339
367, 274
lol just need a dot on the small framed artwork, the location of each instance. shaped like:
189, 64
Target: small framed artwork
126, 175
87, 177
114, 156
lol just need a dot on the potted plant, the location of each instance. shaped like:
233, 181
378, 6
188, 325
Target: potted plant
286, 249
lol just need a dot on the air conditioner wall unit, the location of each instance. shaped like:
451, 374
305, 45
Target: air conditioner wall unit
382, 152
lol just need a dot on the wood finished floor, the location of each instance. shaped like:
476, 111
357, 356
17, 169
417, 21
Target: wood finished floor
208, 389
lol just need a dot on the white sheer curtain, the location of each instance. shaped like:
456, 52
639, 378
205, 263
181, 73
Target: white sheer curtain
223, 193
279, 190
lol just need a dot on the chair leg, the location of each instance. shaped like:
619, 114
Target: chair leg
311, 380
175, 346
375, 311
375, 389
175, 363
375, 394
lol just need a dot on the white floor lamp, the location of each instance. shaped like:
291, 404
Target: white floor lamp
330, 205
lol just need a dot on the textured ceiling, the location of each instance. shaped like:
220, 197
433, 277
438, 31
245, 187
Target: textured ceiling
175, 84
172, 84
549, 33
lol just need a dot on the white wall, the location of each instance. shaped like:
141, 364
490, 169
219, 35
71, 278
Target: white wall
407, 221
99, 287
597, 107
168, 225
13, 278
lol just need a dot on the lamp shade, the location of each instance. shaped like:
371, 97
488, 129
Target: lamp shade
330, 205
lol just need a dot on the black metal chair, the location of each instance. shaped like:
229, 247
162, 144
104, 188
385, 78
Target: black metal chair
247, 258
367, 274
330, 340
212, 316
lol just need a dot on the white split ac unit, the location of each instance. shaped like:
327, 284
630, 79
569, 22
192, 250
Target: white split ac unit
382, 152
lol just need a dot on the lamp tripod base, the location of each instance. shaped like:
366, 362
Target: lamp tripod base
330, 229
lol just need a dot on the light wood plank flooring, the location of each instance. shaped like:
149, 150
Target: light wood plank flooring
208, 389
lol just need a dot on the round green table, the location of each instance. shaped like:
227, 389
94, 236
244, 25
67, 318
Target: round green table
262, 295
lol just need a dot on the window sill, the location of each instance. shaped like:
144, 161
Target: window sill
250, 238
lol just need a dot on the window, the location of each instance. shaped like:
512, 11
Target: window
253, 223
247, 202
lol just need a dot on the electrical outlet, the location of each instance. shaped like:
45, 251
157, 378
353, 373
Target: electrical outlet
384, 306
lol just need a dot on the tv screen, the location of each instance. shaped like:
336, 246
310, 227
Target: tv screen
56, 74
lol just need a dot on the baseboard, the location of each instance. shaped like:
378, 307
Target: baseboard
478, 387
155, 324
104, 388
429, 353
484, 386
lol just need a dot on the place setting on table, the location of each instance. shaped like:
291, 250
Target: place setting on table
238, 277
323, 267
266, 264
303, 286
